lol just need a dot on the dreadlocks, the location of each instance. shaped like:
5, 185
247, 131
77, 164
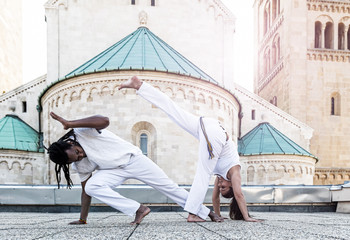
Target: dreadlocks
58, 155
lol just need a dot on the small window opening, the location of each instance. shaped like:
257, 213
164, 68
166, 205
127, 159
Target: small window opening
24, 106
143, 143
132, 2
153, 2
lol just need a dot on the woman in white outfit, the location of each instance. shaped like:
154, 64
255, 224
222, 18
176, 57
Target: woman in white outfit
217, 153
90, 147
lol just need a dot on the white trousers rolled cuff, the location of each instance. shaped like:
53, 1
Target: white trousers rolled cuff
140, 167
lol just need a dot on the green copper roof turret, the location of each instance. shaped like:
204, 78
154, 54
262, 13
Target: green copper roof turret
265, 139
141, 50
15, 134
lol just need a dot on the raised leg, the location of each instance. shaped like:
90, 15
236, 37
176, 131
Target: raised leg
184, 119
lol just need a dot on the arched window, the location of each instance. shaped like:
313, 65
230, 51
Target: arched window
274, 101
144, 136
265, 21
144, 143
341, 36
274, 9
318, 35
266, 61
328, 35
274, 54
266, 18
276, 50
335, 104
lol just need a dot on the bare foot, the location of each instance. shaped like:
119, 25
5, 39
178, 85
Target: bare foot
140, 214
133, 82
194, 218
215, 218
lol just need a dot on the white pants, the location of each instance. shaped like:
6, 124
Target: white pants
191, 124
140, 167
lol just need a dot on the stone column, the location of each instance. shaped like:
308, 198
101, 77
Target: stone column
323, 42
346, 46
335, 37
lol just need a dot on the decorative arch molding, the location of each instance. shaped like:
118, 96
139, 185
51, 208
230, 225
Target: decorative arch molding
105, 90
328, 55
10, 164
277, 169
345, 20
212, 10
201, 98
324, 19
326, 176
73, 96
327, 6
170, 92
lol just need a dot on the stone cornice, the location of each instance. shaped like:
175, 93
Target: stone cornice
280, 162
224, 9
23, 88
332, 170
328, 6
328, 55
277, 158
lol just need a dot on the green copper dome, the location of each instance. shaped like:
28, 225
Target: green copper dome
265, 139
141, 50
17, 135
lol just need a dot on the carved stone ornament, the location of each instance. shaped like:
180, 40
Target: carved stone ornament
143, 18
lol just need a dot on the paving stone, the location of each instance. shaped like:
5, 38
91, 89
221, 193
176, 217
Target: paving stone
173, 225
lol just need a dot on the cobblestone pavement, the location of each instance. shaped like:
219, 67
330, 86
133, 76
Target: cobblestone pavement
173, 225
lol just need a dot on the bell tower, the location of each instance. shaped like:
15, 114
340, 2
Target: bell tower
302, 66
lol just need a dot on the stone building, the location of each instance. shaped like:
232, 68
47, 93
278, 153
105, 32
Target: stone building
302, 67
10, 44
187, 54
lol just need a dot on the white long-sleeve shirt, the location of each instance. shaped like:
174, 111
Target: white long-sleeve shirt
103, 149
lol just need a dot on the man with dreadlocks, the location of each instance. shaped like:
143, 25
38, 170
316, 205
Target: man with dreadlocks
89, 147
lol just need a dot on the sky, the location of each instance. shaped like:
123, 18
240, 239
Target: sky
34, 40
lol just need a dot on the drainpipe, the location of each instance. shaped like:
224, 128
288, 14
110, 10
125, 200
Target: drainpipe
40, 143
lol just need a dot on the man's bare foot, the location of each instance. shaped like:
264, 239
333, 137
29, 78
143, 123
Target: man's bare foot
215, 218
140, 214
194, 218
133, 82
